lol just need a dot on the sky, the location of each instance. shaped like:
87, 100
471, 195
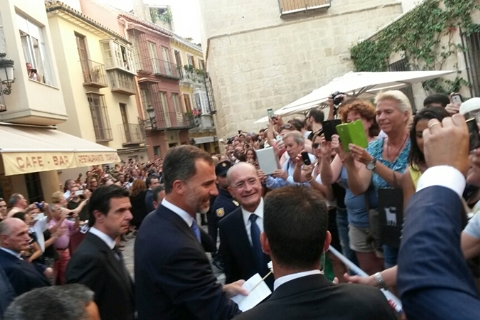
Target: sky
186, 15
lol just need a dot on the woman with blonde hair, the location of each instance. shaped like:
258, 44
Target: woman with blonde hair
137, 198
57, 198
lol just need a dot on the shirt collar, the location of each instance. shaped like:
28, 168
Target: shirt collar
293, 276
16, 254
105, 238
258, 212
180, 212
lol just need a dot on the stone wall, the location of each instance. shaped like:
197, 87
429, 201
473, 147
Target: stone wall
258, 61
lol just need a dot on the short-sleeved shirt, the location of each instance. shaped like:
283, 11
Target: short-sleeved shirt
375, 148
63, 241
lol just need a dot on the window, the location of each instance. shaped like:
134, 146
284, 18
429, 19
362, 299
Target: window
292, 6
166, 60
201, 64
101, 123
165, 111
177, 107
34, 187
201, 102
153, 55
156, 150
34, 49
136, 52
121, 81
117, 55
191, 60
473, 62
178, 58
188, 103
401, 65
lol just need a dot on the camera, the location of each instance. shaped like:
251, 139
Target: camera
39, 205
33, 70
337, 100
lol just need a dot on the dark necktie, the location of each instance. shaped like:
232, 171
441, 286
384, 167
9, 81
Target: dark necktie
196, 230
256, 246
119, 256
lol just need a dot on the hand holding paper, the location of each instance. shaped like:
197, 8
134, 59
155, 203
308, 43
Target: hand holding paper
257, 292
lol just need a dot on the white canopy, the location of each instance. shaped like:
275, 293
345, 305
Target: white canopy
357, 84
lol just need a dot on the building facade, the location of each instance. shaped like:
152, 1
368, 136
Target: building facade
32, 150
99, 83
196, 100
266, 54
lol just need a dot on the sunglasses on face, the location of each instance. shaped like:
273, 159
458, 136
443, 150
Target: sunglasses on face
315, 145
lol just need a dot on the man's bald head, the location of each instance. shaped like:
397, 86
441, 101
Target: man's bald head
14, 234
240, 167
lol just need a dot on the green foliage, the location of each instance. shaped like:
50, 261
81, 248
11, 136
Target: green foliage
161, 15
417, 36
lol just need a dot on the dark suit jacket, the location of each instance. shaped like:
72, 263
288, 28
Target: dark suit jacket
149, 200
173, 276
23, 275
238, 260
433, 279
94, 264
314, 297
6, 292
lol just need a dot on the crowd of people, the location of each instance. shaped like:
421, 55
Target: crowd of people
401, 207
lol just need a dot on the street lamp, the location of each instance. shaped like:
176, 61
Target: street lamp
151, 116
7, 78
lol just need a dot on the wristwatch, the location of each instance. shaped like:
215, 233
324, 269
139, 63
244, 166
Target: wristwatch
372, 164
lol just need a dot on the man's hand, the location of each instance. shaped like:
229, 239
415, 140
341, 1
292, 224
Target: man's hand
280, 174
235, 288
452, 108
446, 143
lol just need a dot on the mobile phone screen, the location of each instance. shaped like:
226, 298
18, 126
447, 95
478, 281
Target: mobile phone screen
270, 113
474, 136
456, 99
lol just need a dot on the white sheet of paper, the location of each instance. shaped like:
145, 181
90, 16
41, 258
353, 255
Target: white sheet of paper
259, 293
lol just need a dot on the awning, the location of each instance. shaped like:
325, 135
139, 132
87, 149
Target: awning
27, 149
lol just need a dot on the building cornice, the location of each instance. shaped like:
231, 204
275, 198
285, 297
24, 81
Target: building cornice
147, 25
53, 7
187, 43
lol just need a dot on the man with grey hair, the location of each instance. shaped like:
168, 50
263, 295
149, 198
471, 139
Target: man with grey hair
294, 143
14, 239
68, 302
240, 230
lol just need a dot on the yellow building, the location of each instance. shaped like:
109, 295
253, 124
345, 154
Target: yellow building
99, 81
193, 87
32, 149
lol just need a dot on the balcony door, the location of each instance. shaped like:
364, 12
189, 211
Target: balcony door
154, 57
166, 61
166, 113
83, 54
126, 127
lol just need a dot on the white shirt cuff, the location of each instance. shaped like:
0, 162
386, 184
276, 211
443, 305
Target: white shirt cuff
444, 176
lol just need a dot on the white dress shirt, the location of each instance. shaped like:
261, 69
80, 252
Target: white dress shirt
180, 212
105, 238
293, 276
444, 176
259, 221
13, 253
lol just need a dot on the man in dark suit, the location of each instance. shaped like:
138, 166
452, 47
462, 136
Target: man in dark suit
152, 182
239, 244
434, 280
295, 224
14, 239
173, 276
6, 292
97, 262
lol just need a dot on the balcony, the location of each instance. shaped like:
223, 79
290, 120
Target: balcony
162, 68
297, 6
131, 133
93, 74
192, 76
122, 82
170, 121
102, 134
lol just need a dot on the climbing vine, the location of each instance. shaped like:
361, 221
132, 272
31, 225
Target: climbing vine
424, 37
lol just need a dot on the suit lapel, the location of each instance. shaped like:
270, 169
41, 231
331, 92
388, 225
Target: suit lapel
112, 261
174, 218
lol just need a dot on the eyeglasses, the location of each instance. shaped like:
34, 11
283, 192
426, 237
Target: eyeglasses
315, 145
242, 184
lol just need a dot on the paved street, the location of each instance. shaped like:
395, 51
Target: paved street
128, 256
